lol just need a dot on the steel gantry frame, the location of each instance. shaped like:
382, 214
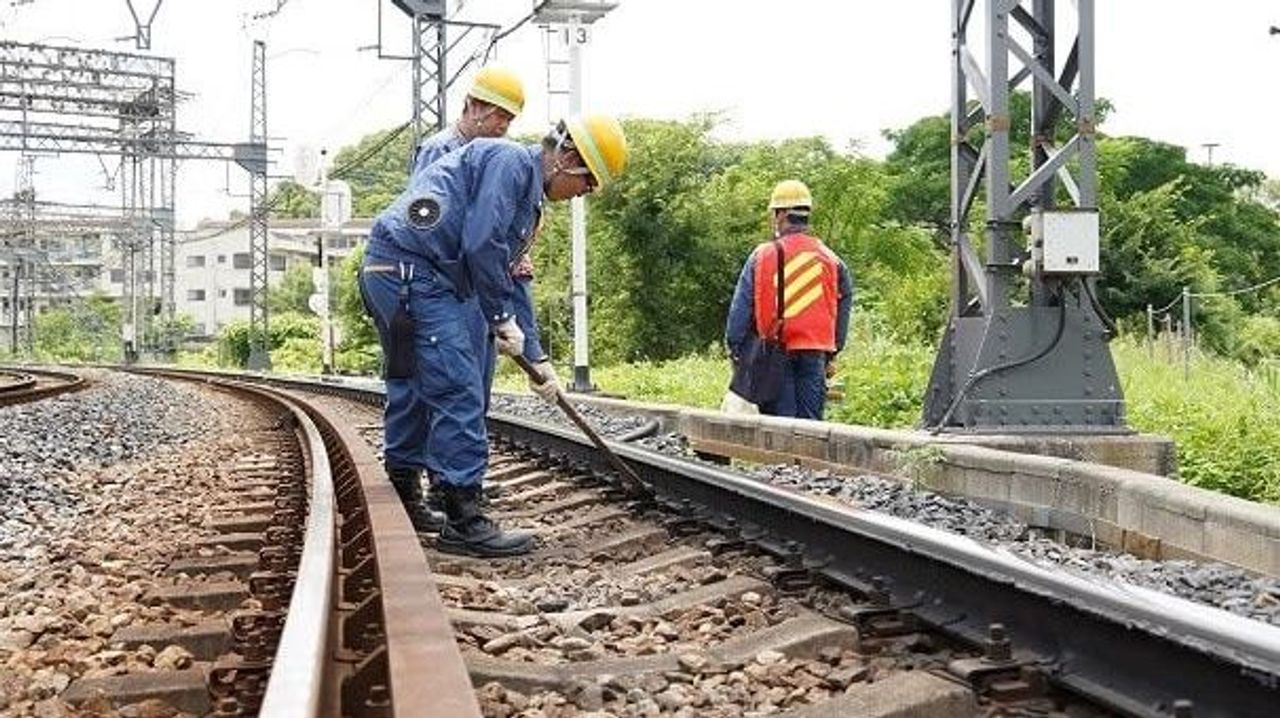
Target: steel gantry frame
1025, 349
71, 100
431, 50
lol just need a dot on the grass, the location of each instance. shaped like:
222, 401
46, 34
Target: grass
1225, 420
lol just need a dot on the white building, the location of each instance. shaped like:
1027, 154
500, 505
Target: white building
213, 263
62, 268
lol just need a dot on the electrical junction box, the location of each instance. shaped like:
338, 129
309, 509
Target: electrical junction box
1067, 241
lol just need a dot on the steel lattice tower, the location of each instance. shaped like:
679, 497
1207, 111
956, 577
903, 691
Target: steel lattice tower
255, 162
66, 100
429, 73
1025, 349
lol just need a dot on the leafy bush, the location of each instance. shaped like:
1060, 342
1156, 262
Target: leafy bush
233, 340
297, 355
696, 380
1259, 339
882, 382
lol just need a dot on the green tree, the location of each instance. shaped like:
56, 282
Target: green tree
358, 351
376, 167
290, 329
86, 330
290, 200
292, 292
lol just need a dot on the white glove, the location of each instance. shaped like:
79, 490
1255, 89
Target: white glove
508, 338
549, 389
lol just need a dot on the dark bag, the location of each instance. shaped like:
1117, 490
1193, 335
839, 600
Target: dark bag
762, 361
401, 357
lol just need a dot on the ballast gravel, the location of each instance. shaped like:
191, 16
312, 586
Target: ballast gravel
98, 488
119, 418
1213, 584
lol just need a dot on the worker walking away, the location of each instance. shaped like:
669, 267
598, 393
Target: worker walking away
812, 285
442, 252
495, 99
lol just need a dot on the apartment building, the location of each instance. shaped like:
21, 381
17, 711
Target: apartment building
213, 263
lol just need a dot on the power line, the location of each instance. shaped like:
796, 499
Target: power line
337, 173
340, 172
519, 24
270, 13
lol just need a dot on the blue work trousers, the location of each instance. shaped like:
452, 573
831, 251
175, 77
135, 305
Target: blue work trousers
804, 387
434, 420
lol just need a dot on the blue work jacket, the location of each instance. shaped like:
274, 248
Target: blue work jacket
476, 209
435, 147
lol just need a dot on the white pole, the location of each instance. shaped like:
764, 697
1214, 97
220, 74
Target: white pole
326, 320
578, 218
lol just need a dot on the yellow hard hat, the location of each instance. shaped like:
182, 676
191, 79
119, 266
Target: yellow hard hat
789, 194
500, 87
602, 145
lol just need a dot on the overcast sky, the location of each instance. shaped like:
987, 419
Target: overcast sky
1174, 69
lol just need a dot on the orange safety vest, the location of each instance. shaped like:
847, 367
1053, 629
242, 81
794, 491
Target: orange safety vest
811, 277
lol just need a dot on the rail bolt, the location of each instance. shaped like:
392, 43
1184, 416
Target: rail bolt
879, 594
379, 696
998, 647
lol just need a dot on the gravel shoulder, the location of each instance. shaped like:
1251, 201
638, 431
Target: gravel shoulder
101, 490
1218, 585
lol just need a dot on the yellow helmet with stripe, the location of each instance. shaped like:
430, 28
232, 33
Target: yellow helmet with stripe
602, 145
500, 87
790, 194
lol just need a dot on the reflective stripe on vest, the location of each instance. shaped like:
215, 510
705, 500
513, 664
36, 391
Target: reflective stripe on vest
811, 275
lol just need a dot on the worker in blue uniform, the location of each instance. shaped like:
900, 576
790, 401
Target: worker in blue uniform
495, 98
443, 252
816, 294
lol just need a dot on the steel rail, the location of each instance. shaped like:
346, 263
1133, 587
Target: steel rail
33, 392
1133, 650
22, 381
1130, 649
298, 672
380, 642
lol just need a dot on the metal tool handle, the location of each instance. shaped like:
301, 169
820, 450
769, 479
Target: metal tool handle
629, 475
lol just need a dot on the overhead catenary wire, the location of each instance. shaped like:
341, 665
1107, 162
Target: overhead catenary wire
519, 24
337, 173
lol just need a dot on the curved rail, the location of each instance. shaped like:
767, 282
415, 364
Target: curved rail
1133, 650
28, 388
21, 381
366, 633
298, 672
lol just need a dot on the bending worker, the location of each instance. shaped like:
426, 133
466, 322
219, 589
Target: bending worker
440, 253
495, 99
817, 297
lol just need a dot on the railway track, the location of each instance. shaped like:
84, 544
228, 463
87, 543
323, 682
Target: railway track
19, 386
712, 594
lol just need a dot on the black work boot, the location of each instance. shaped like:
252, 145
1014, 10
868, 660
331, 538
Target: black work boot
435, 494
409, 487
469, 532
